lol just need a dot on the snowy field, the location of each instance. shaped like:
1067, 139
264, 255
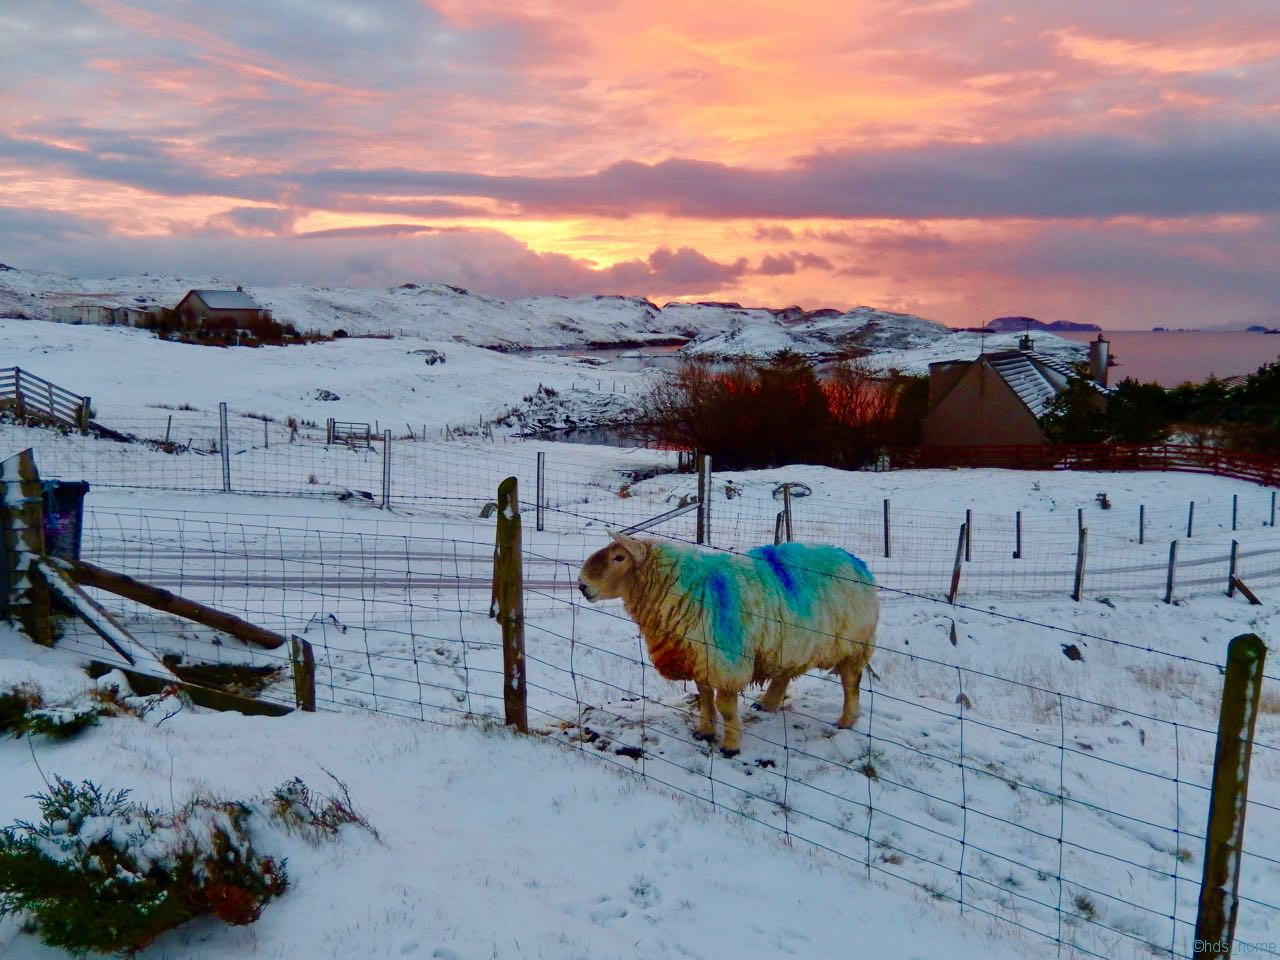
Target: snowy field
1027, 769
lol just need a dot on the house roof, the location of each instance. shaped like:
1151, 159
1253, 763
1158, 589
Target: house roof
227, 299
1035, 378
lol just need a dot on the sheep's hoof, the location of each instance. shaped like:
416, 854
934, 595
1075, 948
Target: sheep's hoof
846, 724
729, 753
762, 706
699, 735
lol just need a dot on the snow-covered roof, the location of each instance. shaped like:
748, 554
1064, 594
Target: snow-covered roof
1027, 381
1035, 378
227, 299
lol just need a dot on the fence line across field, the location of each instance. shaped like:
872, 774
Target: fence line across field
1011, 798
1018, 555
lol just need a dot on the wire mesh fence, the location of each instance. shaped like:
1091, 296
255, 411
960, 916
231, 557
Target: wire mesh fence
1064, 794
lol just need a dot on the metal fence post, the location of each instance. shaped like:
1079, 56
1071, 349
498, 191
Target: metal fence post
1231, 569
1273, 509
1235, 510
541, 489
704, 499
1142, 522
508, 604
1078, 590
1173, 569
1191, 516
886, 528
225, 442
386, 469
968, 534
786, 512
1017, 535
1228, 799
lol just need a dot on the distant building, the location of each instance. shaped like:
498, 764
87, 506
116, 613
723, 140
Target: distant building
999, 397
219, 310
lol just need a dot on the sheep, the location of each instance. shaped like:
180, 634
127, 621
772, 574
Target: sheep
725, 620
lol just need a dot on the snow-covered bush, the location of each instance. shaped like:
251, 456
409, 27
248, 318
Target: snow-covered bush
102, 873
23, 711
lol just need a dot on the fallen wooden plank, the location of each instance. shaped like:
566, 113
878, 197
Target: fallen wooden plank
1248, 594
145, 684
91, 575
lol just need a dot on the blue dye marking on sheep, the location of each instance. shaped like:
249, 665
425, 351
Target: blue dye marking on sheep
711, 576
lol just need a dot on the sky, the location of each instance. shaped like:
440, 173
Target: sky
1113, 163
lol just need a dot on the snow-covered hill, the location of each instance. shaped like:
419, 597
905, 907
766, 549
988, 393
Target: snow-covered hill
443, 313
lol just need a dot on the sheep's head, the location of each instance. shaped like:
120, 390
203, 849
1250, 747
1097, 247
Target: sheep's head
607, 572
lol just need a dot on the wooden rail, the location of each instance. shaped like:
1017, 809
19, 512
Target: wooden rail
32, 396
1108, 456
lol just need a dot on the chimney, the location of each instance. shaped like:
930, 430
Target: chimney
1099, 356
1025, 343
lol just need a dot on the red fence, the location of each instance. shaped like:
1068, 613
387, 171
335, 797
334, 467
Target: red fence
1101, 456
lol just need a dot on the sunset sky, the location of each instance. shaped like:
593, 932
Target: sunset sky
1116, 163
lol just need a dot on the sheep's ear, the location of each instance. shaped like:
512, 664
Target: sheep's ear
633, 546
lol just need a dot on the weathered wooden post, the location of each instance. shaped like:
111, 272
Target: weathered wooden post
508, 604
541, 488
886, 528
386, 469
225, 443
1224, 837
955, 571
1078, 589
84, 414
786, 512
22, 530
168, 428
328, 432
704, 499
19, 402
1173, 569
303, 659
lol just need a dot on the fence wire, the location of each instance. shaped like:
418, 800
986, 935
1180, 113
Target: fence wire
999, 787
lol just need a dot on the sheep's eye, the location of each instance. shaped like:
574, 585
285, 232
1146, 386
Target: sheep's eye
618, 558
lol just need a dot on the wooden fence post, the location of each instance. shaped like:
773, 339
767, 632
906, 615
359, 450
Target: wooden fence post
1235, 510
22, 528
1224, 836
508, 604
1082, 543
84, 414
1017, 535
886, 528
968, 533
1273, 509
955, 571
786, 512
303, 659
1173, 569
1142, 522
1231, 569
704, 499
1191, 516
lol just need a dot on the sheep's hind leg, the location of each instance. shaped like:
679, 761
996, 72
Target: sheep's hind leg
774, 695
706, 729
851, 680
727, 704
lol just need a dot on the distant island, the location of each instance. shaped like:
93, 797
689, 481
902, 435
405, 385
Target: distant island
1019, 324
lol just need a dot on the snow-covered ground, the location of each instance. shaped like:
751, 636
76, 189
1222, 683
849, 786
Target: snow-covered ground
1037, 760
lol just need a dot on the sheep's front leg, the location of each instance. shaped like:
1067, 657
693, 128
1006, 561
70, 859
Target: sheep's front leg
727, 704
706, 713
851, 680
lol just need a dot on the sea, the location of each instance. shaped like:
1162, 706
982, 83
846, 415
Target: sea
1174, 357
